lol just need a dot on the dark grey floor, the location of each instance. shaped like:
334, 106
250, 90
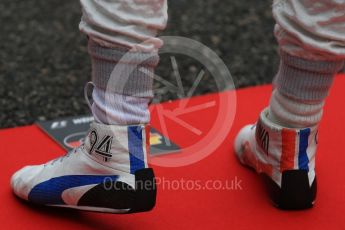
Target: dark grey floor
44, 63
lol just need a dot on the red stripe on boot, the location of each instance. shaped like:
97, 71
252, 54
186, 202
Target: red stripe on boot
287, 160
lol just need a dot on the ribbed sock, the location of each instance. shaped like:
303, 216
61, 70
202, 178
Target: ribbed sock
301, 89
123, 84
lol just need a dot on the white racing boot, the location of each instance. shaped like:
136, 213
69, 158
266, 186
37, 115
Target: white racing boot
286, 158
108, 173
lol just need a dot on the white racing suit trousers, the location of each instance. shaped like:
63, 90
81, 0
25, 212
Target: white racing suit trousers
310, 29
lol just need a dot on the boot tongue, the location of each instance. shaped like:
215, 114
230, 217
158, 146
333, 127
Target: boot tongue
117, 146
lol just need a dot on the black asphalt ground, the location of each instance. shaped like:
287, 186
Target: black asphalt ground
44, 63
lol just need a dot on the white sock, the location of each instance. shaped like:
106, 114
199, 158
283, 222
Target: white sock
301, 89
292, 113
123, 84
121, 109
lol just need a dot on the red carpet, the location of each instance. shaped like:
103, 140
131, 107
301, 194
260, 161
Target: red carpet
183, 208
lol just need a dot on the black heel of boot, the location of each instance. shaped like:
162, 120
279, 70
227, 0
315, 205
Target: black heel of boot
120, 197
295, 192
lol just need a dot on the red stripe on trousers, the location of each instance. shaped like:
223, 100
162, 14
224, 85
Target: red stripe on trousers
287, 160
